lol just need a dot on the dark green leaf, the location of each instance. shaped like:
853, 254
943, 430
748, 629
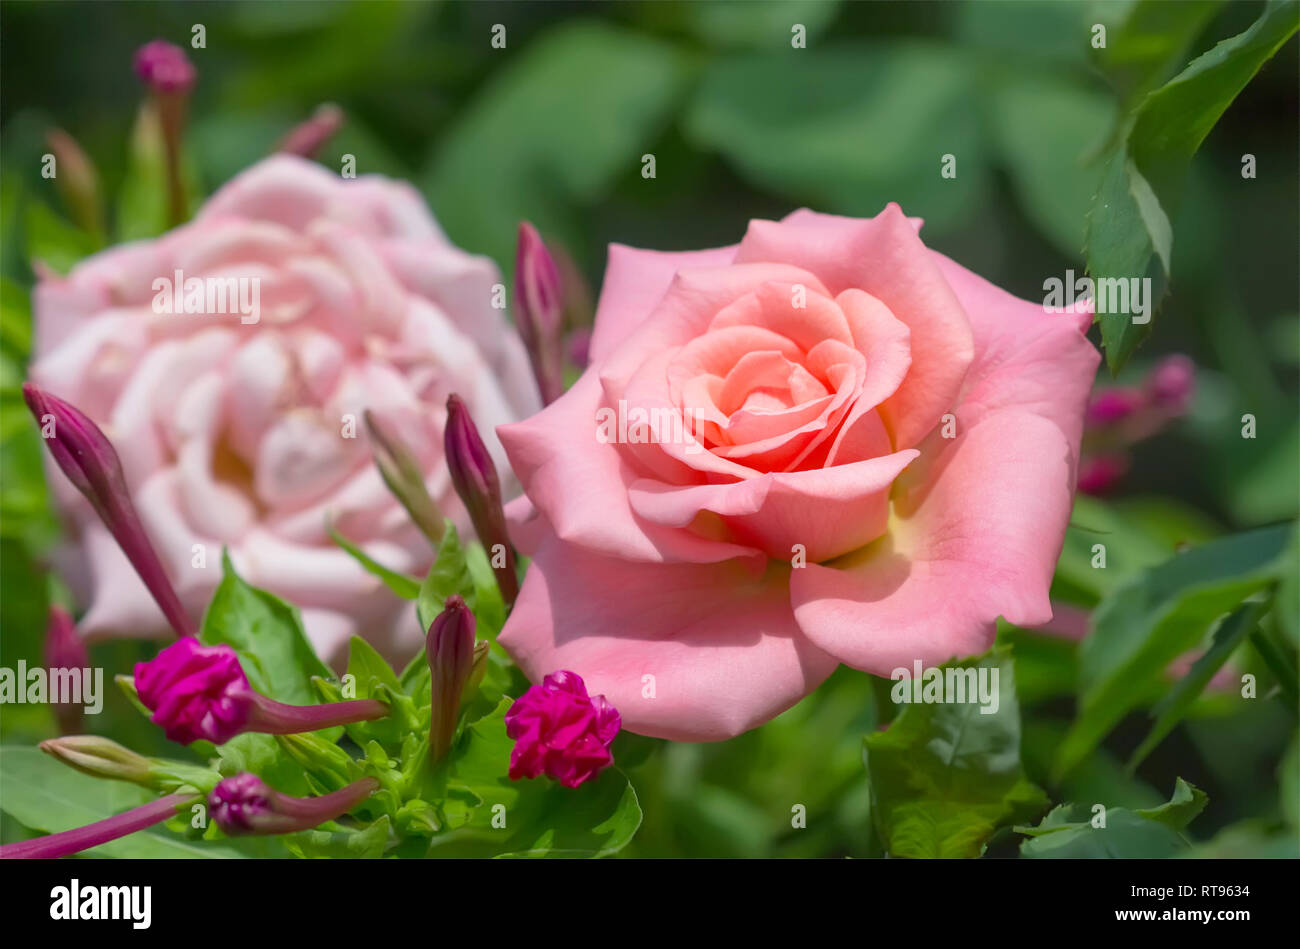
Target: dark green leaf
1231, 633
1069, 831
945, 775
267, 633
1157, 616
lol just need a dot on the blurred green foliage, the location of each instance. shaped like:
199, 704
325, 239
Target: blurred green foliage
554, 128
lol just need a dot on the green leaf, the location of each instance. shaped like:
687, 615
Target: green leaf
945, 775
831, 129
43, 794
1147, 45
448, 575
1231, 633
1068, 830
542, 818
408, 588
1157, 616
366, 843
369, 669
1129, 225
53, 241
268, 635
551, 132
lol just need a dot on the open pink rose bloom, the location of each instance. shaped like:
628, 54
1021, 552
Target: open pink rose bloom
827, 444
240, 425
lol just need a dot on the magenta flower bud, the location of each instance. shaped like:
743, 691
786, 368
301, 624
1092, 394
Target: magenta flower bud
475, 478
1171, 384
1102, 473
88, 459
170, 76
200, 692
1110, 406
560, 732
92, 835
165, 68
244, 804
307, 138
450, 652
540, 312
196, 692
64, 649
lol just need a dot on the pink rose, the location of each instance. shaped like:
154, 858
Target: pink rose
241, 425
883, 461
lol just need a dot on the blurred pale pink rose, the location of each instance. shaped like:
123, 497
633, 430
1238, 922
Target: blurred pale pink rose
244, 429
817, 361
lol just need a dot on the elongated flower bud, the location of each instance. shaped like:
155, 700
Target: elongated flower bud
200, 692
64, 649
540, 312
401, 472
170, 76
244, 804
77, 181
307, 138
87, 457
450, 651
101, 832
100, 758
475, 478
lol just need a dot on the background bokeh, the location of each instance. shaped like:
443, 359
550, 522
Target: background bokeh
553, 129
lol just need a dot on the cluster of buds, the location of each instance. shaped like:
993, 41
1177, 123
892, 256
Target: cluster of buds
1121, 416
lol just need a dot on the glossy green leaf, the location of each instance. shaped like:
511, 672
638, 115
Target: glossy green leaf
1157, 616
1129, 224
1069, 831
268, 635
946, 775
1232, 632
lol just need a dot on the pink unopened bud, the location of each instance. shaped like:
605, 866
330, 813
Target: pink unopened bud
244, 804
101, 832
200, 692
165, 68
87, 457
1110, 406
307, 138
64, 649
540, 312
450, 652
1172, 383
579, 347
1102, 473
170, 76
560, 732
475, 478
